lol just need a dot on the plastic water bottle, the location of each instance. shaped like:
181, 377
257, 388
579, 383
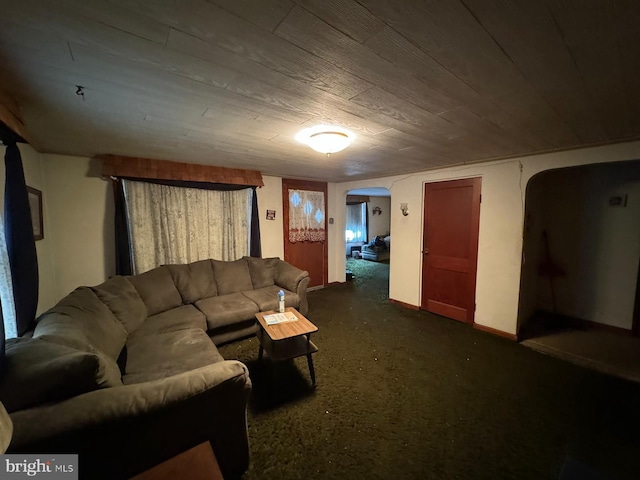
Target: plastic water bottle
281, 301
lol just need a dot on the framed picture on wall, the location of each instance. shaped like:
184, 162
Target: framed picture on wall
35, 203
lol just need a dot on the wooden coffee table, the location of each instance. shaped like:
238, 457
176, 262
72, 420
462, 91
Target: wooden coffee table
285, 341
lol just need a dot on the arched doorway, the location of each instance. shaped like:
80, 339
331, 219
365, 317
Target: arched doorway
368, 237
581, 255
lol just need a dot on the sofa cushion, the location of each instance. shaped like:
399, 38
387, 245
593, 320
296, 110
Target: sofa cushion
227, 309
232, 277
267, 298
81, 321
262, 270
157, 290
194, 280
179, 318
38, 372
168, 353
119, 294
234, 332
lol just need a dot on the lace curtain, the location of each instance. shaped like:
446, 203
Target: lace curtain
181, 225
6, 289
306, 216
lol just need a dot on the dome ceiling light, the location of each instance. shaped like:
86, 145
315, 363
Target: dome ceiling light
326, 138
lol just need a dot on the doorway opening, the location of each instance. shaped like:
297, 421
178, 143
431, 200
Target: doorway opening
581, 254
368, 237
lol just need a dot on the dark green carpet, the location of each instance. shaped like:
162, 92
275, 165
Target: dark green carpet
405, 394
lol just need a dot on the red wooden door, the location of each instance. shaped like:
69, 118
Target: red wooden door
307, 255
450, 248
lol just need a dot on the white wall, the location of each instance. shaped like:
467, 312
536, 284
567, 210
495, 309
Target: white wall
597, 245
336, 243
379, 224
501, 225
532, 253
81, 222
271, 231
33, 165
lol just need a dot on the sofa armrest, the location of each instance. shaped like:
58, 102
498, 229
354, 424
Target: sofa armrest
6, 429
141, 425
295, 280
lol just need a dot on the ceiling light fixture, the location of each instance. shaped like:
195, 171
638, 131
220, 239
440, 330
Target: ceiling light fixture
326, 138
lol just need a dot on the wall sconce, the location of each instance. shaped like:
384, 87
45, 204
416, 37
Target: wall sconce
404, 208
377, 210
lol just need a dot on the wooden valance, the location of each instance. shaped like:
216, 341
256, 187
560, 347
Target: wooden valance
133, 167
353, 199
10, 117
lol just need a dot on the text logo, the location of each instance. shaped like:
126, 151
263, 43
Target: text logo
52, 467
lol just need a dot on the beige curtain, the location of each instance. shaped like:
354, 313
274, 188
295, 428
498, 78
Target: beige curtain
182, 225
6, 289
356, 226
306, 216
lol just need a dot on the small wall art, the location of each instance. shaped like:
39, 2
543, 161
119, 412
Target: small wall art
35, 204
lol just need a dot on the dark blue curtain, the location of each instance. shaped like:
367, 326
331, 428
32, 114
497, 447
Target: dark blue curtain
20, 243
123, 248
255, 247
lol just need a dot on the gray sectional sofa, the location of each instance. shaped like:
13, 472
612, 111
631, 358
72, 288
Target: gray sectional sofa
378, 249
127, 373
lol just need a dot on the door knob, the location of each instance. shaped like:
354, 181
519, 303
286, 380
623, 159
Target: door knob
425, 251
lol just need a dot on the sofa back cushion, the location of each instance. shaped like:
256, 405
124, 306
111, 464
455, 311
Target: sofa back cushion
194, 281
40, 372
121, 297
81, 321
263, 271
232, 277
157, 290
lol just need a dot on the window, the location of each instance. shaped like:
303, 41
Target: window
170, 224
356, 229
6, 288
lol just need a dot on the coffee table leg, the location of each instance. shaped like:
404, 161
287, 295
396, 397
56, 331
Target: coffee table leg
311, 370
260, 353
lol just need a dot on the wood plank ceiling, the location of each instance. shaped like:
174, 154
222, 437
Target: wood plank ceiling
423, 84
